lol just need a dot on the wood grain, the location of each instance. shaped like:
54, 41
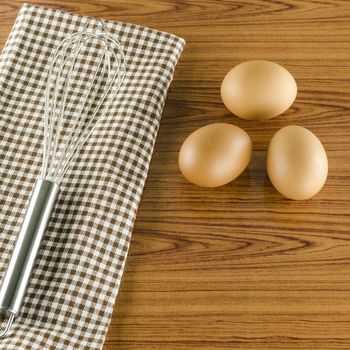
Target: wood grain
238, 267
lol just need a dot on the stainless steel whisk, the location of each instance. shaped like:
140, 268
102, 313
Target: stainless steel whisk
86, 70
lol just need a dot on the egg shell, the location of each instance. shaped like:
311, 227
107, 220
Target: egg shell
258, 90
215, 154
297, 163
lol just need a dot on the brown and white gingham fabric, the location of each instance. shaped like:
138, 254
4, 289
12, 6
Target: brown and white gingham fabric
72, 292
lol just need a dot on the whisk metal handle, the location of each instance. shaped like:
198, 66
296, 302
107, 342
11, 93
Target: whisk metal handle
17, 276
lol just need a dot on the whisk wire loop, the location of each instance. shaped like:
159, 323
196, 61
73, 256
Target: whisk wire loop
80, 143
77, 121
67, 83
66, 130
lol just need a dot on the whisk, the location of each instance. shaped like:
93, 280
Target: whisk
86, 71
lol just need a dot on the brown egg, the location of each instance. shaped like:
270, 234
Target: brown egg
258, 90
215, 154
297, 163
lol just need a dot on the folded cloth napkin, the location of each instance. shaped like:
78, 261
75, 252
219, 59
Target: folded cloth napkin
76, 279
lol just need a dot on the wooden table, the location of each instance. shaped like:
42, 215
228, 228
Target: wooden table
238, 267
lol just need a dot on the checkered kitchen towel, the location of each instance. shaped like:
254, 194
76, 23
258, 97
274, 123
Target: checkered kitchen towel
71, 295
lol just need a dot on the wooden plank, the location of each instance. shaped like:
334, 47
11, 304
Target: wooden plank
238, 267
